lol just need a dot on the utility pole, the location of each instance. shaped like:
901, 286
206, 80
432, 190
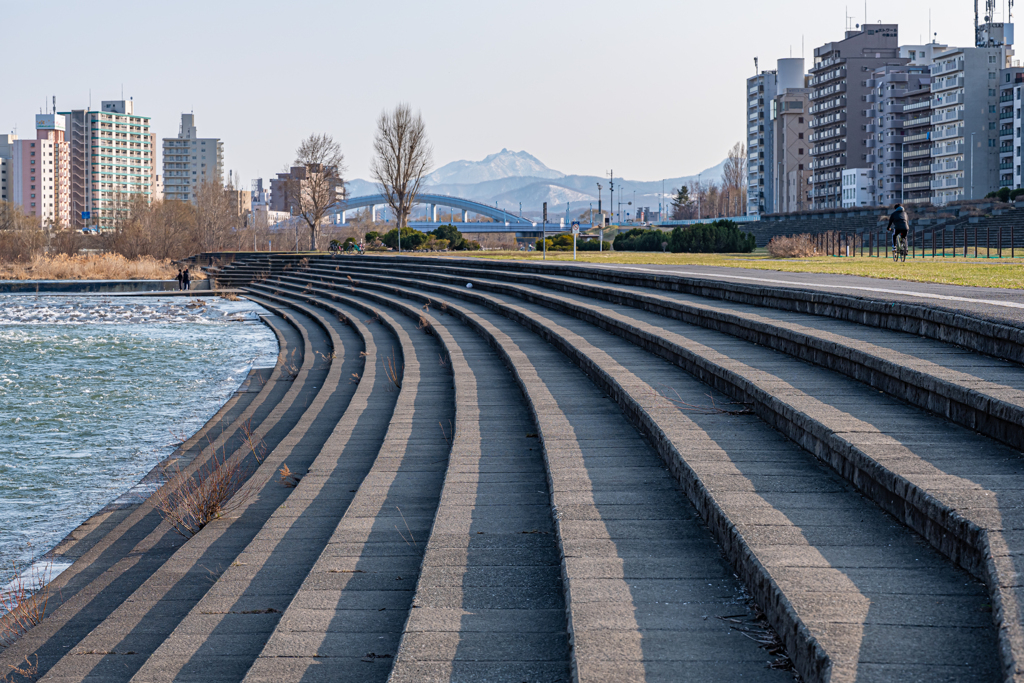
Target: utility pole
544, 238
611, 190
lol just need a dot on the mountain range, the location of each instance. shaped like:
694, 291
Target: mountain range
507, 178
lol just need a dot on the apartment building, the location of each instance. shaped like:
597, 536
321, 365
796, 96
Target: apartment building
6, 168
761, 89
791, 150
112, 160
858, 188
39, 173
898, 132
839, 81
965, 123
1011, 82
285, 187
191, 161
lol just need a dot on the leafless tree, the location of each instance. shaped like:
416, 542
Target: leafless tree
404, 156
734, 176
316, 183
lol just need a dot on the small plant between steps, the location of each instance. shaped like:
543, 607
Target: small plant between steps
393, 370
190, 502
23, 605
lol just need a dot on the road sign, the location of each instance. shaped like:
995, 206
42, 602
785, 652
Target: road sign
86, 215
575, 227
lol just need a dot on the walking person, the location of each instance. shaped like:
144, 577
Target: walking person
186, 280
180, 279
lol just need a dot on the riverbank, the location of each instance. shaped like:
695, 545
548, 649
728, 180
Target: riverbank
86, 422
92, 267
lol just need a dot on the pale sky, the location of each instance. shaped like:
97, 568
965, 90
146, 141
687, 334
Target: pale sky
649, 88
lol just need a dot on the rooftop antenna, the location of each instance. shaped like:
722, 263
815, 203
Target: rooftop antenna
755, 66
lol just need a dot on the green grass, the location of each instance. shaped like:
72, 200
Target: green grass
977, 272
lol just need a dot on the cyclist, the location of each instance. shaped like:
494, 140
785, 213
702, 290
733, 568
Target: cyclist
899, 224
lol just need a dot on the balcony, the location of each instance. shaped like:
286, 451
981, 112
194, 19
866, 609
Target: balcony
825, 106
870, 128
946, 134
829, 148
872, 158
946, 183
1006, 166
947, 166
892, 185
946, 150
828, 90
940, 84
920, 137
922, 121
892, 108
828, 120
944, 117
1006, 132
925, 185
1005, 115
826, 76
913, 170
1008, 97
917, 105
1006, 149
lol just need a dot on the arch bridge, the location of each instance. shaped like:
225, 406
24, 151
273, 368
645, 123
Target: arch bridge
467, 206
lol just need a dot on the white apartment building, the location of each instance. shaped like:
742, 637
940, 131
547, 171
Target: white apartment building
191, 161
857, 187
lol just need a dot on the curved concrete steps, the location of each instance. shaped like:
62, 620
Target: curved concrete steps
121, 556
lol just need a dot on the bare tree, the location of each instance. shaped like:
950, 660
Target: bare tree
316, 183
734, 175
404, 156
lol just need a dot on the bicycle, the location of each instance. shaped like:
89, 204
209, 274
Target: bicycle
899, 250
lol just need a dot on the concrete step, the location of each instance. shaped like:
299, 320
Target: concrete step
225, 629
982, 393
142, 616
626, 573
529, 313
118, 549
345, 620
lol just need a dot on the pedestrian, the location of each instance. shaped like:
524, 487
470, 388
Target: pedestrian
180, 280
186, 280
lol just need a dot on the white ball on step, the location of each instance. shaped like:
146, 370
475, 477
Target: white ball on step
469, 285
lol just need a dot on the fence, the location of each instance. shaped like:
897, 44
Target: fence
964, 241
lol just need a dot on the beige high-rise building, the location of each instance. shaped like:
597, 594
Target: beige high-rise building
791, 130
112, 160
190, 161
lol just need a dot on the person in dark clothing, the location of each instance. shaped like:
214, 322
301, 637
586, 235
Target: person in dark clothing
180, 280
898, 223
186, 280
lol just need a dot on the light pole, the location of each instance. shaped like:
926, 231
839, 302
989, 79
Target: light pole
972, 165
520, 210
698, 197
600, 213
903, 167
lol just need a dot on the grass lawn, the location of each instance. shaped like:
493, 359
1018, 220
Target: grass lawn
978, 272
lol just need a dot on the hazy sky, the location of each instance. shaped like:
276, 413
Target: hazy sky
649, 88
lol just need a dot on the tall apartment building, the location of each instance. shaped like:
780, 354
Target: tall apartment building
1011, 83
112, 158
40, 173
899, 147
284, 188
6, 154
839, 80
965, 123
791, 149
190, 161
761, 90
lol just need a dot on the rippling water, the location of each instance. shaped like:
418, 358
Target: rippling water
95, 390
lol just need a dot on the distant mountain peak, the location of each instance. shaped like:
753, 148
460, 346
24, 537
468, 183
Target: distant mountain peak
503, 164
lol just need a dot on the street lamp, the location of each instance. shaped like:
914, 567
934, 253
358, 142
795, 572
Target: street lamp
972, 165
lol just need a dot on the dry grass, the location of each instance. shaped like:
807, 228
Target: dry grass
92, 267
795, 246
393, 371
23, 605
289, 479
190, 502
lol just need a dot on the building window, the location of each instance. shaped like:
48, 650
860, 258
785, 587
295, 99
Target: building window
800, 167
991, 143
799, 119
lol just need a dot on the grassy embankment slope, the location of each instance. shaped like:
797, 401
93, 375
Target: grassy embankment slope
977, 272
92, 267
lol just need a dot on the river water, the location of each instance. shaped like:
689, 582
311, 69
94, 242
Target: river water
95, 390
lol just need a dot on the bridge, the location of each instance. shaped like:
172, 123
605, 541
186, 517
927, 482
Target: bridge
467, 207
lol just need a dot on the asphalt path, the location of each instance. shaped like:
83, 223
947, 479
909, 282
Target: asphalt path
989, 302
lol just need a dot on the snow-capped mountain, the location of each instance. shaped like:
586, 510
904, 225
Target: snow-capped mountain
510, 179
504, 164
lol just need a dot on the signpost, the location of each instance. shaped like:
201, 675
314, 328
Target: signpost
544, 235
575, 231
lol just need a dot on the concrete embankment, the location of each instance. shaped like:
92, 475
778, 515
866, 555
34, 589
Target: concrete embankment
514, 472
